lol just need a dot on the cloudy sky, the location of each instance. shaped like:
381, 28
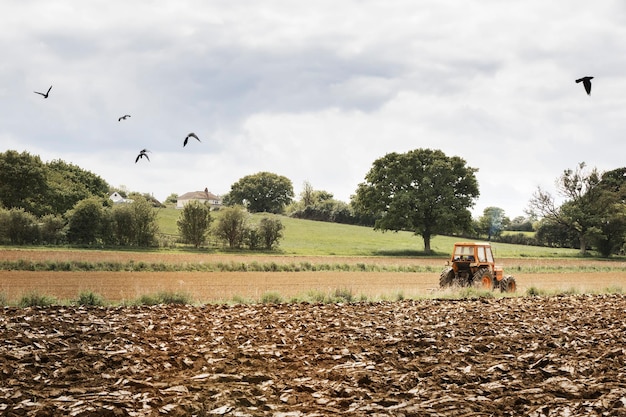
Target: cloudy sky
315, 91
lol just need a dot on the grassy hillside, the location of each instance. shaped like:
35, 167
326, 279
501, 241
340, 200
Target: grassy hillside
307, 237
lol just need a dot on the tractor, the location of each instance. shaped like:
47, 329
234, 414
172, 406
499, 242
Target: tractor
472, 265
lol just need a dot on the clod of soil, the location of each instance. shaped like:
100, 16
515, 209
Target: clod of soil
516, 356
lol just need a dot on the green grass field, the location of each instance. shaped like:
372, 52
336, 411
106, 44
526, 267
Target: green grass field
308, 237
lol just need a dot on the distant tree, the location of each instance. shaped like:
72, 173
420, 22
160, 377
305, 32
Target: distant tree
171, 199
147, 197
612, 219
88, 222
422, 190
232, 226
552, 234
261, 192
306, 196
145, 226
194, 222
122, 224
520, 224
271, 231
321, 206
52, 229
492, 222
67, 184
581, 212
252, 237
23, 182
18, 227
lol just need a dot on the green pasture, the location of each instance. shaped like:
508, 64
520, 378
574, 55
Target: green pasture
310, 238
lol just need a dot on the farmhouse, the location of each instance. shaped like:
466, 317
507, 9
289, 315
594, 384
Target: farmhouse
201, 196
116, 198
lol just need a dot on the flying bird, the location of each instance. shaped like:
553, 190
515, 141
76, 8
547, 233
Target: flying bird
46, 94
142, 153
124, 117
587, 83
191, 135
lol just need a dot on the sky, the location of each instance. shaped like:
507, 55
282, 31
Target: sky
315, 91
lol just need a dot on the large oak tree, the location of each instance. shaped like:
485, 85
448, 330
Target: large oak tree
261, 192
423, 191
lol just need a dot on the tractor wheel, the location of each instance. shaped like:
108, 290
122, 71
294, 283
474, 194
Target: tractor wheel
483, 278
447, 277
508, 284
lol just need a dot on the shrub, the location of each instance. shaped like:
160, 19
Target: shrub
18, 227
89, 298
344, 295
194, 222
271, 298
534, 292
34, 299
231, 226
165, 297
270, 232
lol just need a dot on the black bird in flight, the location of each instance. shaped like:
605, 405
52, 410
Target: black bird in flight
142, 153
587, 83
44, 95
191, 135
124, 117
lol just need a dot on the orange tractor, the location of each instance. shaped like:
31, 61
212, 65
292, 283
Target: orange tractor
472, 265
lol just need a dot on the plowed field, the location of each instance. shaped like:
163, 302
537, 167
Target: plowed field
531, 356
528, 356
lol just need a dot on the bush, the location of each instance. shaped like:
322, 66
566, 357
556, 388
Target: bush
89, 298
18, 227
344, 295
34, 299
270, 231
271, 298
231, 226
194, 221
52, 229
534, 292
165, 297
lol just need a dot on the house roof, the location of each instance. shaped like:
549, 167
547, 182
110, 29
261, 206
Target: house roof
198, 195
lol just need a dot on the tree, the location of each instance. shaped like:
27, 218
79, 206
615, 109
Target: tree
521, 224
306, 196
171, 199
582, 210
492, 222
23, 182
88, 222
194, 221
145, 226
261, 192
612, 222
271, 231
52, 228
231, 226
67, 184
18, 227
123, 224
422, 190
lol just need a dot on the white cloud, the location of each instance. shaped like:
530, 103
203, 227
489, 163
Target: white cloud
314, 91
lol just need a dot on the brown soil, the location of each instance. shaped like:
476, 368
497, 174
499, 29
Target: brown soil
533, 356
541, 356
205, 287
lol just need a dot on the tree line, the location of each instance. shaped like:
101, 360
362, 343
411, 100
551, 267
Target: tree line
423, 191
59, 203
